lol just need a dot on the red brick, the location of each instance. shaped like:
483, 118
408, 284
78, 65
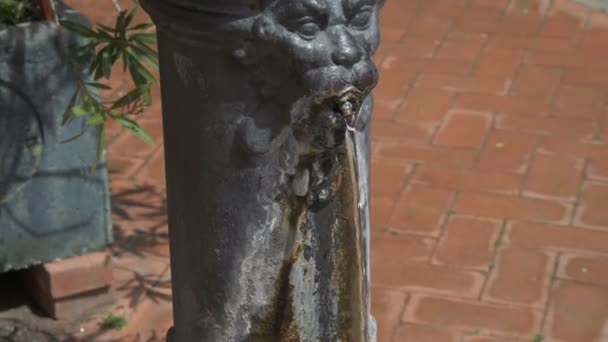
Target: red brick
154, 170
592, 208
401, 248
594, 41
446, 10
387, 306
464, 129
507, 151
381, 210
415, 332
570, 147
554, 177
403, 131
427, 154
498, 63
425, 105
428, 66
429, 27
390, 272
388, 176
597, 169
472, 315
70, 288
486, 24
509, 207
520, 276
598, 20
552, 59
528, 42
562, 128
457, 49
493, 4
536, 82
556, 238
460, 84
580, 102
74, 275
390, 92
562, 25
489, 339
468, 179
397, 13
586, 77
419, 46
392, 34
502, 104
468, 242
584, 268
421, 209
577, 313
124, 167
150, 320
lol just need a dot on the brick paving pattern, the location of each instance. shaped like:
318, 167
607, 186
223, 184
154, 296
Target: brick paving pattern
490, 179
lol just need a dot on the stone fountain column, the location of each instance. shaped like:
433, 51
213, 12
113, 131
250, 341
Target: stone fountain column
266, 109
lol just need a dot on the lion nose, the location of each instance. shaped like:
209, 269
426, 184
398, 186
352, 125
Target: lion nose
346, 53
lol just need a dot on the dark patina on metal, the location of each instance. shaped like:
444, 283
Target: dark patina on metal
267, 111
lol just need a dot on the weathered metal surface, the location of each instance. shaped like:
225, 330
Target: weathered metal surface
50, 205
267, 114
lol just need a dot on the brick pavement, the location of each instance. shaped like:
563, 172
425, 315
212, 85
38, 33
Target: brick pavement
490, 179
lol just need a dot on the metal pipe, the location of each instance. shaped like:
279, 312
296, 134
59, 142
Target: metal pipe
266, 109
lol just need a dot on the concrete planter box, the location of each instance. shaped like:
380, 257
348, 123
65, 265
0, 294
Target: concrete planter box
601, 5
51, 205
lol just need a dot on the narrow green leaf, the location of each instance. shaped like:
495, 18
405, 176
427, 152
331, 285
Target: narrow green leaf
119, 26
96, 120
80, 29
134, 127
74, 137
148, 38
129, 17
126, 99
141, 76
98, 85
107, 28
105, 35
67, 115
149, 56
100, 147
79, 111
143, 26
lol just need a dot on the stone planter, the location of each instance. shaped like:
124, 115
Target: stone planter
51, 205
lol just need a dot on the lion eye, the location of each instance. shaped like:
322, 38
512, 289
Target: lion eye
362, 19
308, 29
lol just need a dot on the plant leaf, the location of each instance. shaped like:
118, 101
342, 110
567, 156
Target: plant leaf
128, 98
143, 26
67, 115
80, 29
96, 120
134, 127
74, 137
99, 85
148, 38
146, 53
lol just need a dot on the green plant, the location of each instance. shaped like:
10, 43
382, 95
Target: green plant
538, 338
112, 321
13, 12
131, 44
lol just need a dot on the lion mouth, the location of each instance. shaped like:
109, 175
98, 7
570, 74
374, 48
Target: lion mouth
348, 106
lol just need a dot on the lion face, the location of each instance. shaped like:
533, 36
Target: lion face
329, 43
